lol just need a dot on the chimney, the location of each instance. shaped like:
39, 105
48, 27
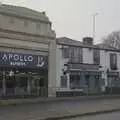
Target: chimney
88, 40
43, 13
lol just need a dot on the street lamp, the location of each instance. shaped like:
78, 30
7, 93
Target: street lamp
94, 24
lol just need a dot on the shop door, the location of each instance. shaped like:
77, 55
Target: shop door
43, 88
38, 87
21, 84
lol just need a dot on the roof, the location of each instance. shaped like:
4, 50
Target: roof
105, 46
22, 12
68, 41
71, 42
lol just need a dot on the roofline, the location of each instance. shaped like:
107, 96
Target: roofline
91, 47
23, 17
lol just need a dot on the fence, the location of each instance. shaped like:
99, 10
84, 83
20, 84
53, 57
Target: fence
25, 92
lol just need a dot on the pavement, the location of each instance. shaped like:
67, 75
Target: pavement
57, 109
22, 101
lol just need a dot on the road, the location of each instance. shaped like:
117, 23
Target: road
54, 109
110, 116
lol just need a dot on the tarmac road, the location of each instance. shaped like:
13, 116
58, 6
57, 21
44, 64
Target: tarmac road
110, 116
53, 109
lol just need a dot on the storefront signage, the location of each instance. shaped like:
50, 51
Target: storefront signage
9, 59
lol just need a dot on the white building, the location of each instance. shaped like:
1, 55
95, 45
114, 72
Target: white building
82, 66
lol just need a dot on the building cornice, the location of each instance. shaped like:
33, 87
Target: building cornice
24, 17
10, 34
22, 47
90, 47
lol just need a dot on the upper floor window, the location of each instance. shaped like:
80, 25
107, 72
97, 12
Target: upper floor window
65, 52
75, 54
113, 61
26, 23
64, 81
96, 56
38, 26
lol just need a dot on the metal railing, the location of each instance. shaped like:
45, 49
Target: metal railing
24, 92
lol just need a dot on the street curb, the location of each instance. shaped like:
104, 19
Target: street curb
50, 100
7, 104
82, 115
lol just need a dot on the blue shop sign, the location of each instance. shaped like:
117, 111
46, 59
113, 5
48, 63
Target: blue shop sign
10, 59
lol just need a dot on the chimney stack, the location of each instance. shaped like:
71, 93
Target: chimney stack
88, 40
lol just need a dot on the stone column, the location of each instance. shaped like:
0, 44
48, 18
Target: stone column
4, 84
52, 69
68, 81
104, 81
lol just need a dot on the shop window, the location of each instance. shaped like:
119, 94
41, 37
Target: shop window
64, 81
96, 56
96, 81
23, 82
10, 81
74, 81
41, 82
1, 81
113, 61
87, 80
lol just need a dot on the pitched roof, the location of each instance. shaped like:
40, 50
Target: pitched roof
68, 41
71, 42
105, 46
23, 12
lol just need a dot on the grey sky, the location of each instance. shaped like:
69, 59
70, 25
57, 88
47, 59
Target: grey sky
73, 18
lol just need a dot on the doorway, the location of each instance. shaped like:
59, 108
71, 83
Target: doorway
38, 86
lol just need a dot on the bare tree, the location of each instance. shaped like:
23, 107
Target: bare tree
113, 39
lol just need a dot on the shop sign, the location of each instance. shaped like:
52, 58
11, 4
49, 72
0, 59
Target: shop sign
9, 59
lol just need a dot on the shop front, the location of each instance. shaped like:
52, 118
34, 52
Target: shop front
89, 81
86, 77
113, 81
93, 81
23, 74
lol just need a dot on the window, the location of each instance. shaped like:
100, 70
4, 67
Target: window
87, 82
26, 23
76, 55
64, 81
113, 61
96, 56
65, 52
97, 81
38, 26
74, 81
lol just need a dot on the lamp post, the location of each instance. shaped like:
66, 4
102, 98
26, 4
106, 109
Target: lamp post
94, 24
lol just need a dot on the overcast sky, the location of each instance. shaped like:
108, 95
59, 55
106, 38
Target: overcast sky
73, 18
